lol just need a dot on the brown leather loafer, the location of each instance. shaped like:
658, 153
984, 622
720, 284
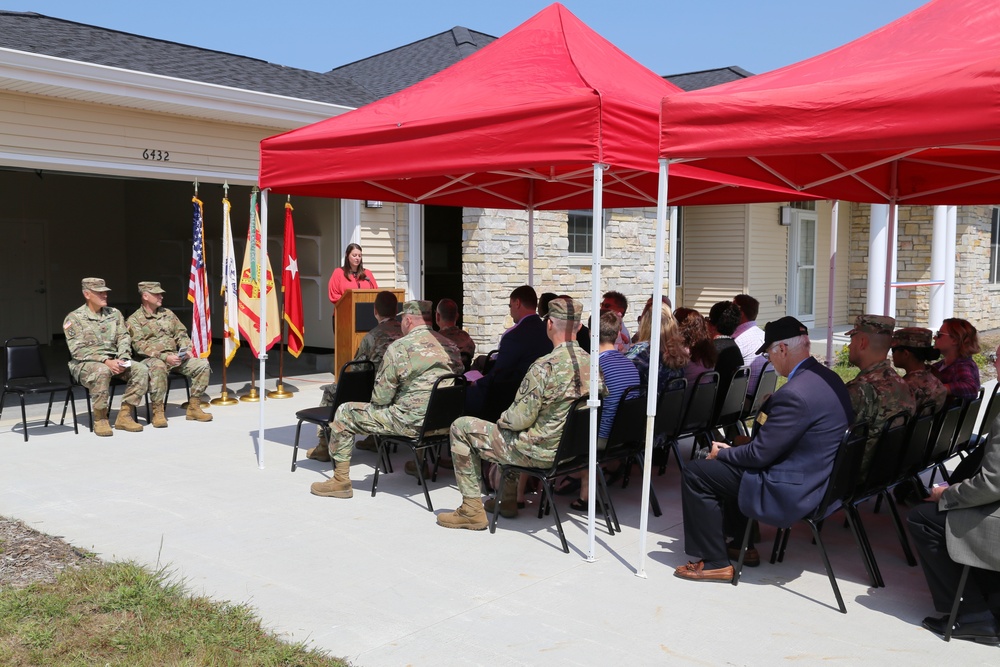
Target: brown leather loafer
697, 572
750, 559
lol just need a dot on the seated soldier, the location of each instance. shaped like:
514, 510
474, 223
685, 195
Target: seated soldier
446, 317
371, 348
163, 342
528, 432
100, 348
402, 389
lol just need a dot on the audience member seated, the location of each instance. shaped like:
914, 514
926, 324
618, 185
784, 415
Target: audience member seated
694, 331
645, 311
722, 321
446, 318
749, 336
402, 389
520, 345
372, 348
543, 303
779, 476
877, 392
962, 523
673, 354
528, 432
617, 303
958, 341
912, 348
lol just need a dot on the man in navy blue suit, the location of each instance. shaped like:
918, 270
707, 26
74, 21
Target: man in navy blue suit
520, 346
781, 474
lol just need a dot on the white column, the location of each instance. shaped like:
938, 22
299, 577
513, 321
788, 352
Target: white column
832, 288
949, 267
939, 251
415, 267
878, 233
350, 223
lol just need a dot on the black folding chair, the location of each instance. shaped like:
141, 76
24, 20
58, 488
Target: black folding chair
115, 383
990, 416
572, 455
839, 490
729, 410
698, 416
765, 387
24, 373
627, 440
964, 440
445, 405
357, 380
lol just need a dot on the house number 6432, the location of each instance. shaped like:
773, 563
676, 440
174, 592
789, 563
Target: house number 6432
156, 155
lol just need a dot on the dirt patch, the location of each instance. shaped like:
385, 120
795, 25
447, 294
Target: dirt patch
28, 556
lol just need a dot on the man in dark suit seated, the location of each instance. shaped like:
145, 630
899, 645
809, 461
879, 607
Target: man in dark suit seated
781, 474
962, 522
520, 346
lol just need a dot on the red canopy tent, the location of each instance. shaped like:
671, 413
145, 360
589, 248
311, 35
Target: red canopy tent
549, 116
905, 114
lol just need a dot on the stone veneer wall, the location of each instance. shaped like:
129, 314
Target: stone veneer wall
975, 298
495, 262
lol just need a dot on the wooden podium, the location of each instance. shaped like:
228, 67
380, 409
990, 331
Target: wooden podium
354, 316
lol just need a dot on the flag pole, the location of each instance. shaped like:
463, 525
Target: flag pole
227, 241
279, 390
252, 396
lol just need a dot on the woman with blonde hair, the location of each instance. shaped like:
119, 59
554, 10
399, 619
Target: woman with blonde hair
958, 341
673, 355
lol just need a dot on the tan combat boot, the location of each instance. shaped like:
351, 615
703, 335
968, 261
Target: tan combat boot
470, 515
508, 499
159, 418
321, 452
101, 425
195, 413
126, 419
338, 486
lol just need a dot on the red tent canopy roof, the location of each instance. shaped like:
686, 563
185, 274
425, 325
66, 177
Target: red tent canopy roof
911, 108
518, 124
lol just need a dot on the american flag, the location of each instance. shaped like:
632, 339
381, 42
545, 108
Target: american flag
201, 326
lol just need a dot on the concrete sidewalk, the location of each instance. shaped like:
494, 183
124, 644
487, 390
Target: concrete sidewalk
376, 581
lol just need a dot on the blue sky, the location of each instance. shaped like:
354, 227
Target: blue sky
668, 36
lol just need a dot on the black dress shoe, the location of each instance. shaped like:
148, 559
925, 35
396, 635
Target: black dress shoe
981, 632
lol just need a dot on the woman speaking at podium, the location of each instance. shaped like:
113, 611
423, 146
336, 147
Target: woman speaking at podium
352, 275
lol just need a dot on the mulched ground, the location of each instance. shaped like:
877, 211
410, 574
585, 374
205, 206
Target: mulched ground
28, 556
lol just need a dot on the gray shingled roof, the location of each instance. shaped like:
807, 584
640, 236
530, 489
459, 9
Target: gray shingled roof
707, 78
392, 71
59, 38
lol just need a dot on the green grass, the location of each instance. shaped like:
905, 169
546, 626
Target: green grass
122, 614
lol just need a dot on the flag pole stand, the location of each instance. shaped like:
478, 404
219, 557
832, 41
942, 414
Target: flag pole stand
252, 396
279, 391
226, 398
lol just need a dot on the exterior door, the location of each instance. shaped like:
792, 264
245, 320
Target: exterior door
23, 299
802, 267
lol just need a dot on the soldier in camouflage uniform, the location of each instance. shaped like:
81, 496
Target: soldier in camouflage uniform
164, 345
402, 388
878, 392
372, 348
912, 348
528, 432
100, 349
446, 317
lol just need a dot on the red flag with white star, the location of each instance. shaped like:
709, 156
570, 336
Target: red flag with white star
292, 287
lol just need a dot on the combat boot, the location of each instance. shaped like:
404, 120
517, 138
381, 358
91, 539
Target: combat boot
508, 499
195, 413
320, 452
470, 515
338, 486
159, 418
126, 419
101, 425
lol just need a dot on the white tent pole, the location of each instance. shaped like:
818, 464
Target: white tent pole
951, 243
531, 233
671, 265
938, 252
831, 292
890, 245
262, 308
654, 357
596, 248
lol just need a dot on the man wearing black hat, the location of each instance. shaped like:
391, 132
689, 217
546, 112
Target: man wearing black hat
782, 473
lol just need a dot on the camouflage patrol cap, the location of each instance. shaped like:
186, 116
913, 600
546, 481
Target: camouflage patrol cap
913, 337
94, 285
422, 308
151, 287
565, 309
873, 324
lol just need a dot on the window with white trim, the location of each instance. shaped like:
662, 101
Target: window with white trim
580, 231
995, 248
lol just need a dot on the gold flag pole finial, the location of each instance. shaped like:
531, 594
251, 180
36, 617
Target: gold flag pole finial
195, 186
225, 189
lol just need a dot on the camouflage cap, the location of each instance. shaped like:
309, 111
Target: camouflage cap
566, 309
422, 308
913, 337
94, 285
873, 324
782, 329
151, 287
